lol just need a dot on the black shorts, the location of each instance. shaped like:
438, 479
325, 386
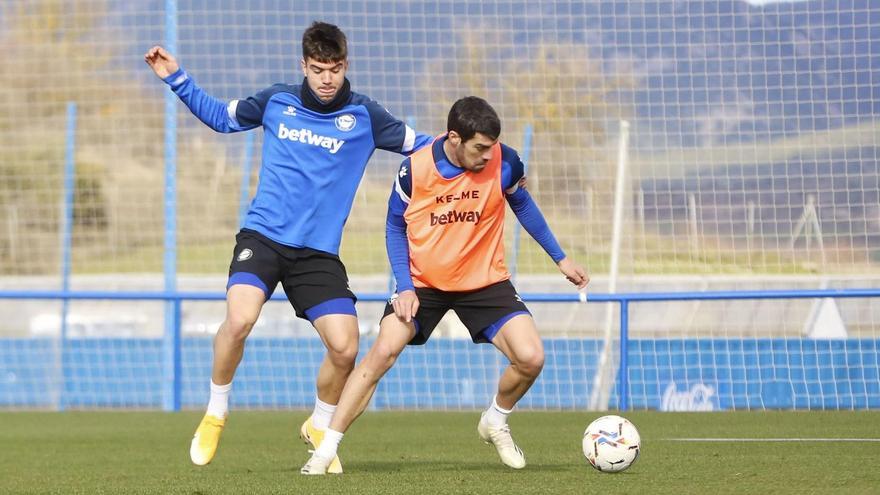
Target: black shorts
308, 276
477, 309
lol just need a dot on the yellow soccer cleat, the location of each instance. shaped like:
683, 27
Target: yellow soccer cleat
205, 441
313, 436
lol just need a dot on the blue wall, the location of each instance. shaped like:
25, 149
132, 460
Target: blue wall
755, 373
452, 374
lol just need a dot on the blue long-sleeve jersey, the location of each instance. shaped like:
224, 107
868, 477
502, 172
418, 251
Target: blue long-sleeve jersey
522, 204
313, 158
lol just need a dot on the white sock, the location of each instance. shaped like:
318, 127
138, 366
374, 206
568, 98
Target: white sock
330, 444
322, 414
496, 415
218, 405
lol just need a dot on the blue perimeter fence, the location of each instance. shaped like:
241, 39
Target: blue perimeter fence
747, 373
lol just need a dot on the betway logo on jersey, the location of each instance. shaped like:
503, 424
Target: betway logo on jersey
309, 137
455, 216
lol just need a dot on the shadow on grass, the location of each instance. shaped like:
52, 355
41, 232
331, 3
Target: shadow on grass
425, 465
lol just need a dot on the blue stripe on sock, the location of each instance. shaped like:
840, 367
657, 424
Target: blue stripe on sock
492, 330
338, 306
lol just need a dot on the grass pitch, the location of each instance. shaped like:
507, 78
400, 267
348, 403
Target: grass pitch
430, 452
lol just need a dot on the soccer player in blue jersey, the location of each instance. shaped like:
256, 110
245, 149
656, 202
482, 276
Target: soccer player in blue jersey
444, 235
318, 137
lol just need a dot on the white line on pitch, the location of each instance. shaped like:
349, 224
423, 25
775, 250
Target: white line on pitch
771, 439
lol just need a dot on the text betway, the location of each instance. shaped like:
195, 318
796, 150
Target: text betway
308, 137
455, 216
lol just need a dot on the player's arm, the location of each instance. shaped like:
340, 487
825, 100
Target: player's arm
533, 221
234, 116
406, 304
392, 134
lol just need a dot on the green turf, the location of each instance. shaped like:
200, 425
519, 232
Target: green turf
422, 453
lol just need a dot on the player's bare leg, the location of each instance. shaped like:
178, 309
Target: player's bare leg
393, 337
339, 333
518, 340
243, 305
340, 336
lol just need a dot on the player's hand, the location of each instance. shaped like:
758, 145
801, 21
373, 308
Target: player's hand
161, 61
405, 305
574, 273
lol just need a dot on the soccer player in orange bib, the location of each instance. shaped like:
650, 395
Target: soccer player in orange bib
444, 235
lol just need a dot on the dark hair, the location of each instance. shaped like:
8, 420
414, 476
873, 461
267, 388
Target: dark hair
471, 115
324, 42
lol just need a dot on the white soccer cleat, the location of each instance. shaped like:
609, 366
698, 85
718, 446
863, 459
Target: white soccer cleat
499, 436
316, 465
313, 436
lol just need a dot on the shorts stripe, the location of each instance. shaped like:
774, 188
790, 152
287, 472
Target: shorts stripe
338, 306
246, 278
492, 330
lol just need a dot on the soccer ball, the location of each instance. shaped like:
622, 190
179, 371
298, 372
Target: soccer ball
611, 444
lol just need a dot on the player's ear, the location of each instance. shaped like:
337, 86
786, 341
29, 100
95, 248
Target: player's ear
454, 138
302, 64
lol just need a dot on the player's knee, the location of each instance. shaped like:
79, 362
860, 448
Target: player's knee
238, 325
531, 363
343, 356
383, 356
